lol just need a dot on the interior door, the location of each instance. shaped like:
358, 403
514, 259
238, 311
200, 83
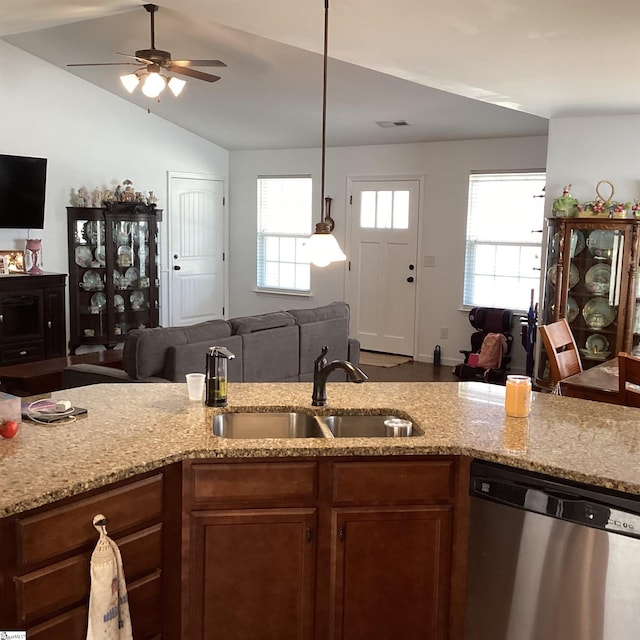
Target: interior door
196, 250
383, 269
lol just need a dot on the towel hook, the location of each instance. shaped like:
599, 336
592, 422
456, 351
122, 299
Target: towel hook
100, 522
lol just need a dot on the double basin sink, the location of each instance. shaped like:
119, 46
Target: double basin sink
302, 425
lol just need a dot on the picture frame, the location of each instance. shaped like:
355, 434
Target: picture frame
13, 261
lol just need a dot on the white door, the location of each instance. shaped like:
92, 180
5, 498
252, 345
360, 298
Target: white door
383, 269
196, 250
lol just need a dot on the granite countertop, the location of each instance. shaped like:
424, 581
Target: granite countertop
134, 428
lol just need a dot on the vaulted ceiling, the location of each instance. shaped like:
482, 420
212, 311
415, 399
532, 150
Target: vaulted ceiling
454, 70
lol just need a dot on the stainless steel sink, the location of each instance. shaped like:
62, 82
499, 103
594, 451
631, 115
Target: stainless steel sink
361, 426
266, 425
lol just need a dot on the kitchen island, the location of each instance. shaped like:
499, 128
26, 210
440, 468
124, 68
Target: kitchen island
148, 447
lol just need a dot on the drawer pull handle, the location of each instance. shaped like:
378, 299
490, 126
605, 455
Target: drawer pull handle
100, 521
308, 534
22, 353
341, 534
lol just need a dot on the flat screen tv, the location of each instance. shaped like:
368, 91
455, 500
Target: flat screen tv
22, 188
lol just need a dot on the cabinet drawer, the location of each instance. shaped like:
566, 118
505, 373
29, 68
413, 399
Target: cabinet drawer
67, 583
63, 529
22, 353
393, 482
255, 482
145, 606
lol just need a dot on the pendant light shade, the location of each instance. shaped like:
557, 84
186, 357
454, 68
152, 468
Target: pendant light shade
322, 246
130, 81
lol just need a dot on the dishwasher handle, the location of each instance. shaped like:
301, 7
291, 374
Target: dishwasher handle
557, 504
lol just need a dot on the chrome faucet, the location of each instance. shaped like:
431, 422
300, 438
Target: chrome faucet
321, 371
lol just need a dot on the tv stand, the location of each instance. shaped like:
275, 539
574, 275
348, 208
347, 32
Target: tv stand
32, 317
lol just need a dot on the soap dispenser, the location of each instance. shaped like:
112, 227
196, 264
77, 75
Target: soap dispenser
216, 376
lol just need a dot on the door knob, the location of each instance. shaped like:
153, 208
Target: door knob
410, 279
176, 267
411, 267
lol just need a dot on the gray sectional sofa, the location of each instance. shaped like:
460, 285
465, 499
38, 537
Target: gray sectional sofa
274, 347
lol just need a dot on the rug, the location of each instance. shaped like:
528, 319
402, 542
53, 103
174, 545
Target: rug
374, 359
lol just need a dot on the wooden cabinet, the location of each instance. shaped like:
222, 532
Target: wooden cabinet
47, 558
113, 274
391, 549
324, 549
591, 279
32, 317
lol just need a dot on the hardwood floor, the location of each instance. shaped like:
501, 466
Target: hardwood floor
410, 372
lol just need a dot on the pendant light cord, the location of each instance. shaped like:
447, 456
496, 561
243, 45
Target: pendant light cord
324, 105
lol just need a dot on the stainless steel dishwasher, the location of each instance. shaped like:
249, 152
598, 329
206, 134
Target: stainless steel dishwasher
550, 560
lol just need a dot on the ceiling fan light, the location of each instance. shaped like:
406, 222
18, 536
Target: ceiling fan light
176, 85
130, 81
153, 85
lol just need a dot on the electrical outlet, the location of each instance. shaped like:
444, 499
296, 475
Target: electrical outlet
444, 333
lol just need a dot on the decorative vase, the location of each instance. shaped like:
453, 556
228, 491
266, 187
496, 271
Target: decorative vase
34, 256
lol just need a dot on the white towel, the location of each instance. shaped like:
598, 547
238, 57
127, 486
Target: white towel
109, 617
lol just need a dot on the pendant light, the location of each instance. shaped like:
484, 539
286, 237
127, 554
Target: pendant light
322, 246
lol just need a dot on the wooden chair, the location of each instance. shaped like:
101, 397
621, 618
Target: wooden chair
561, 348
629, 373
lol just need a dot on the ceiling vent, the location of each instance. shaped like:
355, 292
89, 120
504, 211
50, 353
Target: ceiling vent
385, 124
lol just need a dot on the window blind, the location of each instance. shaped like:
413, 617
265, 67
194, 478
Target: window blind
284, 216
503, 248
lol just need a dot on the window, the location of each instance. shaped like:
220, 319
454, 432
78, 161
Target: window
284, 226
502, 261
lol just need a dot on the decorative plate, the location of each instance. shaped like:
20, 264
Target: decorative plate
572, 309
137, 300
131, 277
91, 281
83, 256
595, 355
577, 242
598, 279
99, 300
600, 243
597, 343
118, 301
598, 314
125, 255
100, 256
574, 275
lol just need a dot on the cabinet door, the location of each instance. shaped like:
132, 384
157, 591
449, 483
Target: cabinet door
54, 324
252, 574
390, 572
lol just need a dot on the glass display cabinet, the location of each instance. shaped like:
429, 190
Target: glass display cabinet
590, 275
113, 272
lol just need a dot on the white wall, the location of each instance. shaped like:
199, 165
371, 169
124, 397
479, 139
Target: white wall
90, 138
583, 151
445, 167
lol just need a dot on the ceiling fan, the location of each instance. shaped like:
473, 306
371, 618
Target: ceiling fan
156, 61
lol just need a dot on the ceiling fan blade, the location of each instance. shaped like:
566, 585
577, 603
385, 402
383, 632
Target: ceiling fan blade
192, 73
199, 63
101, 64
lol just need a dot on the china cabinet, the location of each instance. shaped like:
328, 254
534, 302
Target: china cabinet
113, 279
590, 276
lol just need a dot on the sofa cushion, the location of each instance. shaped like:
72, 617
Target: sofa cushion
251, 324
191, 358
271, 356
331, 311
145, 349
327, 325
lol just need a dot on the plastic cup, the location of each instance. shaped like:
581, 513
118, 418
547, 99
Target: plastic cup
195, 385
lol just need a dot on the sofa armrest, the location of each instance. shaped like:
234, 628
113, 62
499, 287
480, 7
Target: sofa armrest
80, 375
353, 351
